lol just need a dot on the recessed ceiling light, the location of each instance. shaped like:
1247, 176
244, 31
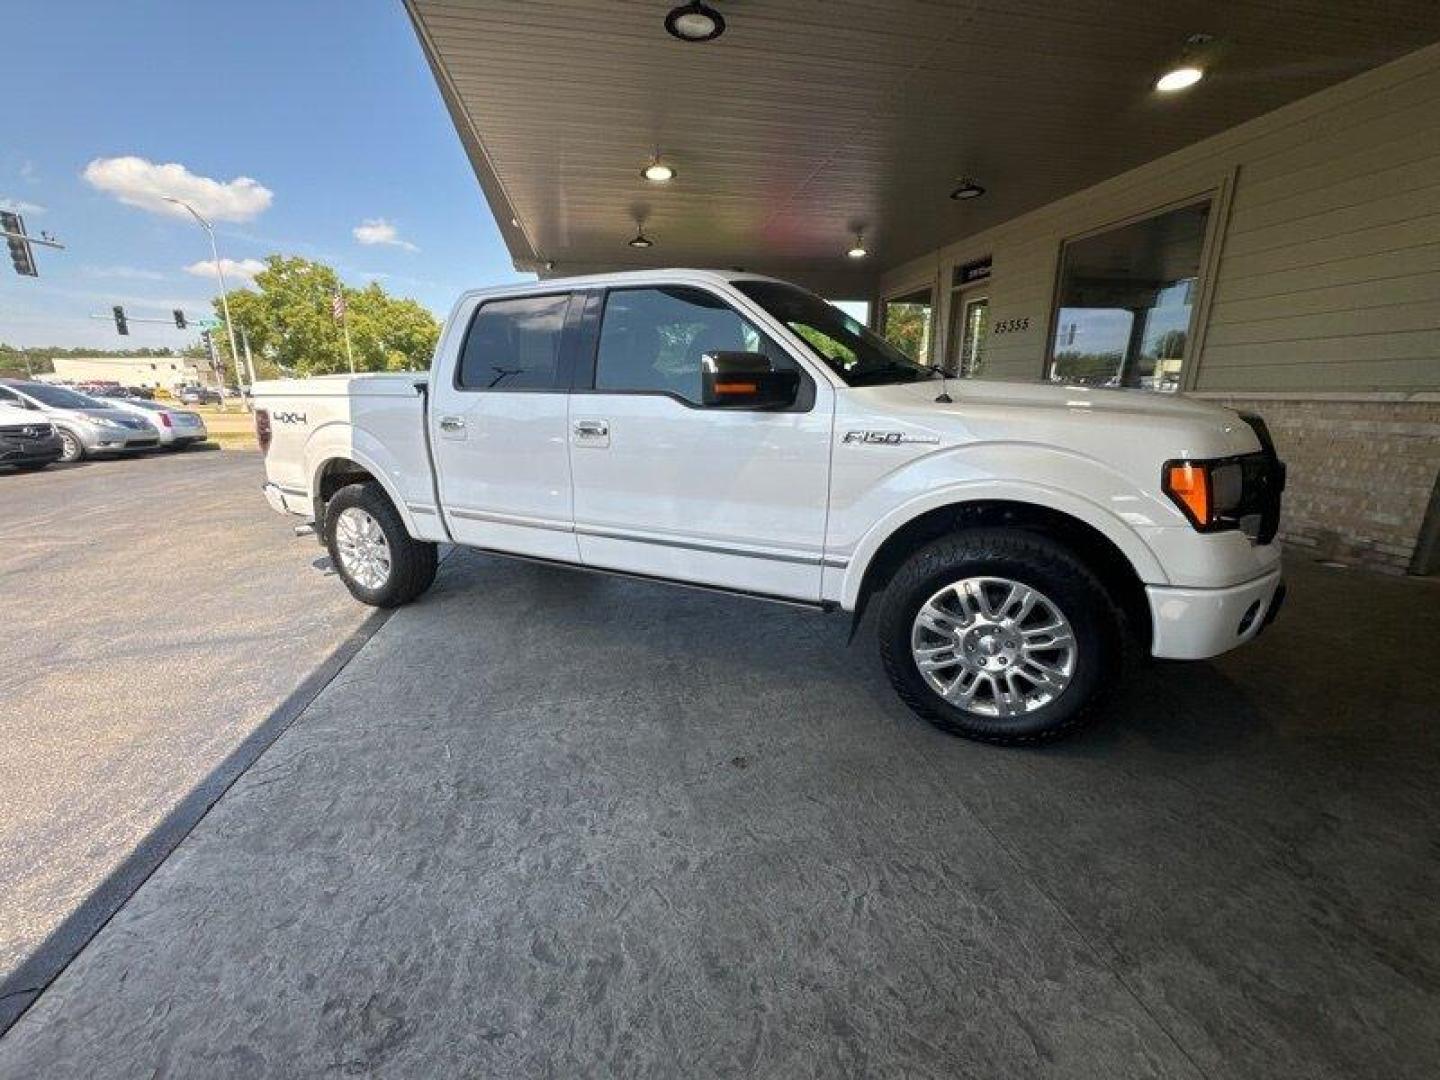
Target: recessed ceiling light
857, 250
640, 240
695, 22
657, 172
968, 189
1179, 79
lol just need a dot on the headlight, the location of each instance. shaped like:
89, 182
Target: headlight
1227, 485
1208, 493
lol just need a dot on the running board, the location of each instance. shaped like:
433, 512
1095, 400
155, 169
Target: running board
821, 606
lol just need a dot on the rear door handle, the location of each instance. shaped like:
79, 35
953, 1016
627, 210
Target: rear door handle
451, 423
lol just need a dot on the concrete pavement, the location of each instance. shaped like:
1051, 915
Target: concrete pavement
551, 824
156, 615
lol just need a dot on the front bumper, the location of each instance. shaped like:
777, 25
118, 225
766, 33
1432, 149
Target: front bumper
1195, 624
30, 451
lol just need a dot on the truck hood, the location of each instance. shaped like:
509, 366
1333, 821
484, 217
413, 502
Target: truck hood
1172, 425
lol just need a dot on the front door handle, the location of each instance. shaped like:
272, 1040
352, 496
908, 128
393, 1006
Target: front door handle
592, 429
452, 423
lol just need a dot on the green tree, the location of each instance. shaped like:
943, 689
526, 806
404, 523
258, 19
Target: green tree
291, 325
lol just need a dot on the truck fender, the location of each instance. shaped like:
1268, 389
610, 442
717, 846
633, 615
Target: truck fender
1130, 543
339, 440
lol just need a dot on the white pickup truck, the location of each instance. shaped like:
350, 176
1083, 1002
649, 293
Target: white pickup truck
738, 433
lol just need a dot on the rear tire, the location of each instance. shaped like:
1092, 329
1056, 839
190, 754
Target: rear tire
1018, 635
380, 562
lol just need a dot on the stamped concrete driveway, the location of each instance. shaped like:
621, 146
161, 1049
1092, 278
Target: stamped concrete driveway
157, 616
553, 825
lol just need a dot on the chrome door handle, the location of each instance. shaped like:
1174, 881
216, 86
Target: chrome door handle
592, 429
451, 423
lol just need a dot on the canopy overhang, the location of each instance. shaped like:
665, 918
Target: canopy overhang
811, 121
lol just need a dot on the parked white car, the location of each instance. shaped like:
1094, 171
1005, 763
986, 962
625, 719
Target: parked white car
737, 432
178, 428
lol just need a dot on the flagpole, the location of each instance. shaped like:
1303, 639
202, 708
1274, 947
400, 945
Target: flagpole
344, 309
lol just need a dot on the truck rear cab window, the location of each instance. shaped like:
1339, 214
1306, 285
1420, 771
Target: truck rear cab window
514, 344
652, 339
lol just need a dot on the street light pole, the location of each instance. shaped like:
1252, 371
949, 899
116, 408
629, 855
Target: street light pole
224, 299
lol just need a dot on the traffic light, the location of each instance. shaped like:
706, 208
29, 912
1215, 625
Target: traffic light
179, 319
121, 326
20, 252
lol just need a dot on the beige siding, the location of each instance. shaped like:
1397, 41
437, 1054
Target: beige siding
1327, 270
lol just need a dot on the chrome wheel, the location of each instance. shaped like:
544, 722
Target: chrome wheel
364, 552
69, 447
993, 646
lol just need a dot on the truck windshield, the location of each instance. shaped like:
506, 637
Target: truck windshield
852, 351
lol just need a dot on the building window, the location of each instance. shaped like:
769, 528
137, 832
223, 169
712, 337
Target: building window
1125, 302
905, 323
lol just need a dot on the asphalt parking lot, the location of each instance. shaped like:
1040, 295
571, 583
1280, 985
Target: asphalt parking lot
156, 615
551, 824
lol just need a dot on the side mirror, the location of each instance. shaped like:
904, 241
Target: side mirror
746, 380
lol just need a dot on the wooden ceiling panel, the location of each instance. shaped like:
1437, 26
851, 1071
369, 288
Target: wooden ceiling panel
809, 119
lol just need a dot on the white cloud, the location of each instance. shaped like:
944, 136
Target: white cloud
20, 206
242, 268
380, 231
138, 182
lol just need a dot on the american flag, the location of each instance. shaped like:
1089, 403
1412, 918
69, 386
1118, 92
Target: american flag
337, 307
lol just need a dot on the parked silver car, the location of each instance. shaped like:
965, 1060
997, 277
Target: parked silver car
86, 425
178, 427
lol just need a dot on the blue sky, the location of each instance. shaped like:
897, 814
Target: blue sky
328, 106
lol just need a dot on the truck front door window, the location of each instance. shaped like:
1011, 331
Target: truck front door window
652, 340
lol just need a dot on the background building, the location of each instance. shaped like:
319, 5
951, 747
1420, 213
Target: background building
1030, 205
154, 372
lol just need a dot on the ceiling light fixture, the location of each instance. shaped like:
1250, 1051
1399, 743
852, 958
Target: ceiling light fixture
1178, 79
1189, 69
968, 189
640, 240
857, 250
657, 172
694, 22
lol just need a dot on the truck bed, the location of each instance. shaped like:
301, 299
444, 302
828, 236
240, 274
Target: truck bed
374, 420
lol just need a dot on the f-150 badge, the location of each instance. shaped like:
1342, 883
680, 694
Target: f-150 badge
887, 438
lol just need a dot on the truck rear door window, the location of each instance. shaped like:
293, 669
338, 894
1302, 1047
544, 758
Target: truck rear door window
514, 344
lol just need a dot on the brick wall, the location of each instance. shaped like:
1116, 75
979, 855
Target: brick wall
1361, 471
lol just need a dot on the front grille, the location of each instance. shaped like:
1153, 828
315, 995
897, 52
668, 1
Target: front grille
27, 432
1264, 474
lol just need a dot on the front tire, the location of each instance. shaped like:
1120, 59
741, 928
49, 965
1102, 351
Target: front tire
380, 562
71, 448
999, 635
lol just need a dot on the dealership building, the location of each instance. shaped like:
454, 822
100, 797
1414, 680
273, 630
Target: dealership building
1239, 202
